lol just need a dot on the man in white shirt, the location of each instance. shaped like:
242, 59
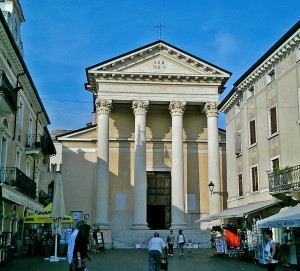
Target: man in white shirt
155, 246
71, 243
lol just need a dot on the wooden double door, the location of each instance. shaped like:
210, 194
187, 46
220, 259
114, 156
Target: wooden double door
159, 200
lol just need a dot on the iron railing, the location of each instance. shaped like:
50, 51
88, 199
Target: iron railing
284, 180
7, 90
15, 178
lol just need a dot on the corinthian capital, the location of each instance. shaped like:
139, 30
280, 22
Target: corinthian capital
211, 109
177, 108
140, 107
103, 106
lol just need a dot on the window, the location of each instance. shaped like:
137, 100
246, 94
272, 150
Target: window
240, 180
21, 114
271, 76
254, 178
275, 164
273, 120
18, 159
238, 143
28, 167
3, 148
252, 127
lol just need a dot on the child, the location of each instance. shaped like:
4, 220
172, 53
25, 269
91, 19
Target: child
180, 241
189, 247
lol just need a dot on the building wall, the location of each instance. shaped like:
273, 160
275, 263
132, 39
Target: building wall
282, 92
79, 163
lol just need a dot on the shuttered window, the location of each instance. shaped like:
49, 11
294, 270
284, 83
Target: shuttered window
252, 132
254, 177
273, 120
240, 176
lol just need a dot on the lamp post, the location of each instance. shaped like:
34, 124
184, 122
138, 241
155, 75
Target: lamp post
211, 188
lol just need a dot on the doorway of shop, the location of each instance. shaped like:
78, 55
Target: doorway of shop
158, 200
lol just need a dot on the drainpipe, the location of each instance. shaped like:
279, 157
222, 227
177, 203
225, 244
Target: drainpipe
17, 88
36, 128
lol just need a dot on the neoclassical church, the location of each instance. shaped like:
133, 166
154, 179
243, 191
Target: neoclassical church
153, 146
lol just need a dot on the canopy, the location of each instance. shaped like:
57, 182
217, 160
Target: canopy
44, 217
287, 218
58, 204
241, 211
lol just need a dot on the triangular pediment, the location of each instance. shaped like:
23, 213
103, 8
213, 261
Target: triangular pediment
84, 134
158, 58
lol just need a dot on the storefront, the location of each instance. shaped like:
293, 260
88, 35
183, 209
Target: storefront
288, 218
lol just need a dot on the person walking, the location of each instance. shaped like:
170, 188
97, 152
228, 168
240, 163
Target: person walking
284, 246
72, 242
155, 247
180, 241
80, 251
170, 241
270, 250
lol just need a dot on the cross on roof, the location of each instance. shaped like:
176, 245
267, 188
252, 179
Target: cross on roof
159, 27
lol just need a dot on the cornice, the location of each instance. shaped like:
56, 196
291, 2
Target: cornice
276, 57
116, 69
18, 67
266, 65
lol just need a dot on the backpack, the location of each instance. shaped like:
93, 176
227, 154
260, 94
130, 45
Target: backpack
278, 254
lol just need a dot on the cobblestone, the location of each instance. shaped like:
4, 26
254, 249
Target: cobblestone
137, 259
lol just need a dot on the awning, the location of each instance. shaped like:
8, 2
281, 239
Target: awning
45, 217
19, 198
287, 218
241, 211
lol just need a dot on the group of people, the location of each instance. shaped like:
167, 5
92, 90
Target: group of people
156, 246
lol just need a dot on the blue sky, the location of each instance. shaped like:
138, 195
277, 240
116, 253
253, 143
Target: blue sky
62, 38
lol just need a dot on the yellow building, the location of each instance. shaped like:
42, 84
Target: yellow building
153, 145
263, 132
25, 143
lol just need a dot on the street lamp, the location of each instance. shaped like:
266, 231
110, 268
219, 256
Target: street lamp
211, 187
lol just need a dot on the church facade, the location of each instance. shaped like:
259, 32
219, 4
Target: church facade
153, 146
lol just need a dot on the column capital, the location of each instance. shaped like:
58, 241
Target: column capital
103, 106
140, 107
211, 109
177, 108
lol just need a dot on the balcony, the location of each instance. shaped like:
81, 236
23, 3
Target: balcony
8, 96
35, 146
17, 180
284, 181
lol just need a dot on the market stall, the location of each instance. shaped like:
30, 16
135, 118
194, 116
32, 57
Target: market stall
42, 237
287, 218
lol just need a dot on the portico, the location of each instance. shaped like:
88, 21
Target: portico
133, 93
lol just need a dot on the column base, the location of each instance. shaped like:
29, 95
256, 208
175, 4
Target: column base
139, 227
178, 226
103, 226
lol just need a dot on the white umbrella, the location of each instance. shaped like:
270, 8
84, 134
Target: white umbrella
58, 210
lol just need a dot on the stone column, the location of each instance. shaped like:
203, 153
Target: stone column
213, 156
140, 178
177, 187
103, 108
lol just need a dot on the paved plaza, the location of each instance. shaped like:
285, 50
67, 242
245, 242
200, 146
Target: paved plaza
136, 260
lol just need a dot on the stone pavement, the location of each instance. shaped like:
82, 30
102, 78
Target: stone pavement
136, 260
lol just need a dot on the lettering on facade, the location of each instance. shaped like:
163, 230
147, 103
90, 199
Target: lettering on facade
159, 65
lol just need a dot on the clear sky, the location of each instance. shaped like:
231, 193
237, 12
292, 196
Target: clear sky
61, 38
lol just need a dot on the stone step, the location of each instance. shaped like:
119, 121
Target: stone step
140, 238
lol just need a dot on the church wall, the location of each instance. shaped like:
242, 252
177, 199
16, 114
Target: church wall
78, 176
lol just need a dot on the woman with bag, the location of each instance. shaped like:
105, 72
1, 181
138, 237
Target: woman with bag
80, 251
270, 250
